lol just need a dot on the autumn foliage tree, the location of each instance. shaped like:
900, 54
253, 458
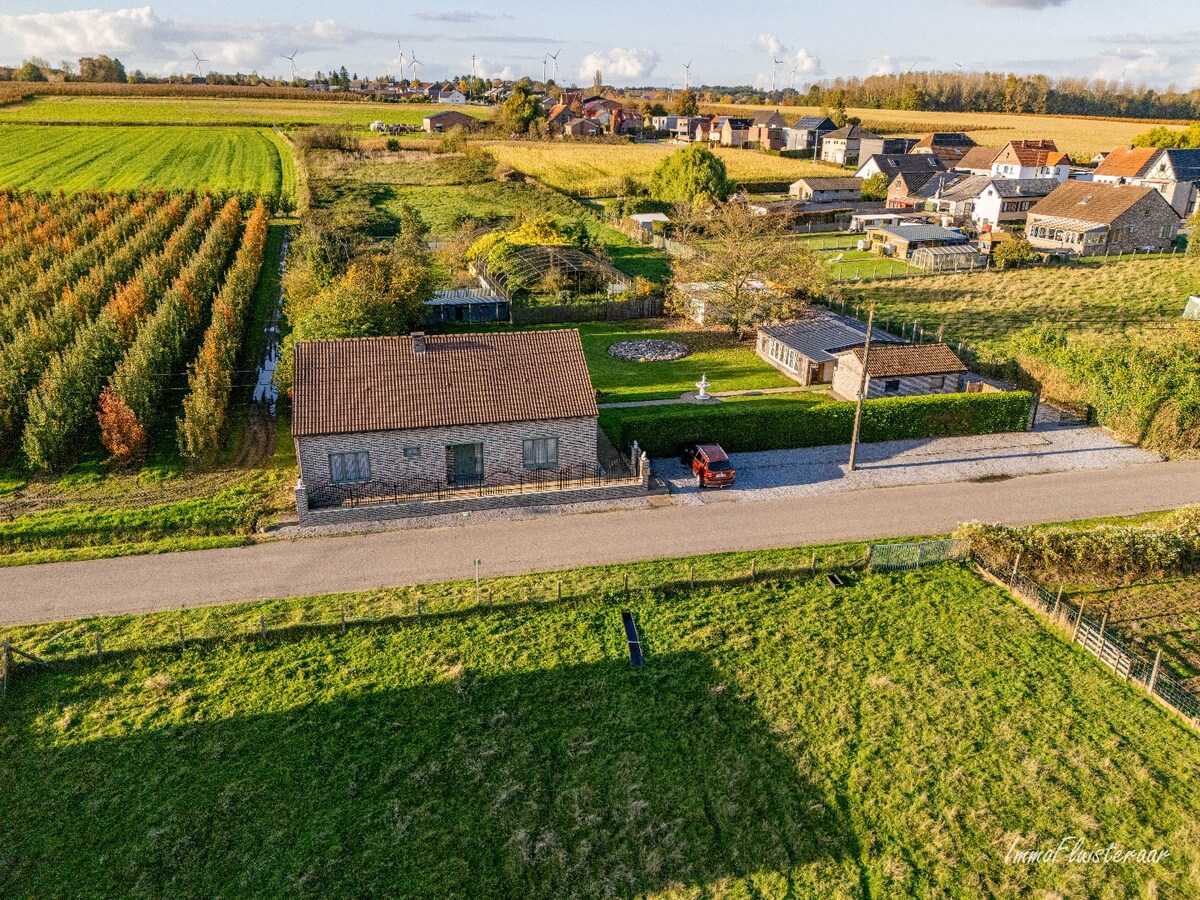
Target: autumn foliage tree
122, 436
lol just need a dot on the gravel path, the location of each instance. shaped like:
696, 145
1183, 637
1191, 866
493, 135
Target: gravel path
823, 470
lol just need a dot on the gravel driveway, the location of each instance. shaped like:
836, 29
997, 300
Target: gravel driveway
823, 470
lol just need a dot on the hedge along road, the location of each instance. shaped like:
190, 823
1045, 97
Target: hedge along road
360, 562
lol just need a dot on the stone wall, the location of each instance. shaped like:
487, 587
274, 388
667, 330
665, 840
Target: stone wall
502, 449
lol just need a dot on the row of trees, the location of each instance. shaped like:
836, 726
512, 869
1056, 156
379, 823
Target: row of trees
24, 359
91, 69
210, 383
63, 404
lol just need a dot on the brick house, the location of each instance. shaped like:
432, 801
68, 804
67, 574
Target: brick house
414, 413
1088, 218
903, 370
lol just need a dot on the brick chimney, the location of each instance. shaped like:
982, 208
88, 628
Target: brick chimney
418, 339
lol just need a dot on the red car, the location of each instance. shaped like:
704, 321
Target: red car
710, 464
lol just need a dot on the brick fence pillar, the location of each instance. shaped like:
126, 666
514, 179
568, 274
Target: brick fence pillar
301, 493
644, 470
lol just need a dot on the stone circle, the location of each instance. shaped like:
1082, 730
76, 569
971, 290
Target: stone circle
649, 350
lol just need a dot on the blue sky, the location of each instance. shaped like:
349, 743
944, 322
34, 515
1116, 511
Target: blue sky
631, 42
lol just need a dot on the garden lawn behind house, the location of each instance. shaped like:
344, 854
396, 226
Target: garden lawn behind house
893, 738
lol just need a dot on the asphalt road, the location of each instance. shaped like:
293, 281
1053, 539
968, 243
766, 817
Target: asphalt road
356, 562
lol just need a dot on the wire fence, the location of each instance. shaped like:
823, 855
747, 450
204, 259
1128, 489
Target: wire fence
904, 557
1091, 632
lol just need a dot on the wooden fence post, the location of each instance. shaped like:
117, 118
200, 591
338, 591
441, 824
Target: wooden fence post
1078, 622
262, 626
812, 567
752, 571
491, 603
344, 615
1012, 580
558, 588
181, 639
1057, 602
626, 584
99, 648
420, 608
1154, 673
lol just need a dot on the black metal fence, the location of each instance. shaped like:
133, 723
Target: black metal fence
605, 311
503, 482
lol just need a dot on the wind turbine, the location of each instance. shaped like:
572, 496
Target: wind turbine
792, 79
199, 59
774, 65
687, 74
401, 49
292, 60
554, 56
414, 61
544, 59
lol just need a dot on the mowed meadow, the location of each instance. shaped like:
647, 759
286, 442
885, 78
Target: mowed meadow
1078, 135
68, 158
587, 169
66, 110
892, 738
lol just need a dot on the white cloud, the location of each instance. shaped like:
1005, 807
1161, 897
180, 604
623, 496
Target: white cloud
882, 65
805, 64
145, 40
486, 68
619, 64
1134, 66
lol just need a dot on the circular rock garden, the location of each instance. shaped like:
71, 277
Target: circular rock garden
649, 350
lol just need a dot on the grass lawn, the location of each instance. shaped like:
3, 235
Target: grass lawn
597, 170
216, 111
889, 739
730, 365
65, 158
985, 308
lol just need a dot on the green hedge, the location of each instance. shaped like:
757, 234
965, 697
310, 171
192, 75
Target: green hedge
753, 425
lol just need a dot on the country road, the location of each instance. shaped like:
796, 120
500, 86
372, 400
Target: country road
355, 562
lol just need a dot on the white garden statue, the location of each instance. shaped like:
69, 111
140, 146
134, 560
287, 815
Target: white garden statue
703, 384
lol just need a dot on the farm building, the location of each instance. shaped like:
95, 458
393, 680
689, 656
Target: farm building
952, 258
902, 370
470, 305
844, 145
581, 128
410, 414
900, 241
1089, 218
827, 190
978, 160
447, 119
645, 225
806, 348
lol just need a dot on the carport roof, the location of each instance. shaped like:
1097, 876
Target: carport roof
818, 337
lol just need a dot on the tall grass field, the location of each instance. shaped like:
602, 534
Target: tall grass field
894, 738
65, 158
598, 169
1080, 136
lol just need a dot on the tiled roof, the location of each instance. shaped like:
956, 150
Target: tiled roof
957, 186
1127, 162
380, 384
1032, 154
1012, 188
1186, 164
854, 133
894, 361
895, 163
1091, 201
945, 139
978, 158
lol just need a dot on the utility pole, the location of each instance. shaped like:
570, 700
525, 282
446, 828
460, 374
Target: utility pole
862, 388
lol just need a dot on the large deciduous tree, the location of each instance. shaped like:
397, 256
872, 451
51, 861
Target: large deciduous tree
745, 269
692, 174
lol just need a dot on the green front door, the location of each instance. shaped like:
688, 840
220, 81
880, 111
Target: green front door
464, 463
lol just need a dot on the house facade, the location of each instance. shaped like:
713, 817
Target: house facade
843, 146
419, 413
1173, 173
906, 370
1032, 159
808, 133
1088, 218
892, 164
1005, 201
734, 132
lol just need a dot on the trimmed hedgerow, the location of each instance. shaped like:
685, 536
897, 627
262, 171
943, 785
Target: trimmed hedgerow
742, 427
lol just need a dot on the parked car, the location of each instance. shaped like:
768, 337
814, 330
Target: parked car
710, 464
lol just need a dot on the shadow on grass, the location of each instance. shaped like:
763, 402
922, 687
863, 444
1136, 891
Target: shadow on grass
590, 779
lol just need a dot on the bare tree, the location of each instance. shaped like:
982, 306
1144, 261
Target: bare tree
745, 268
